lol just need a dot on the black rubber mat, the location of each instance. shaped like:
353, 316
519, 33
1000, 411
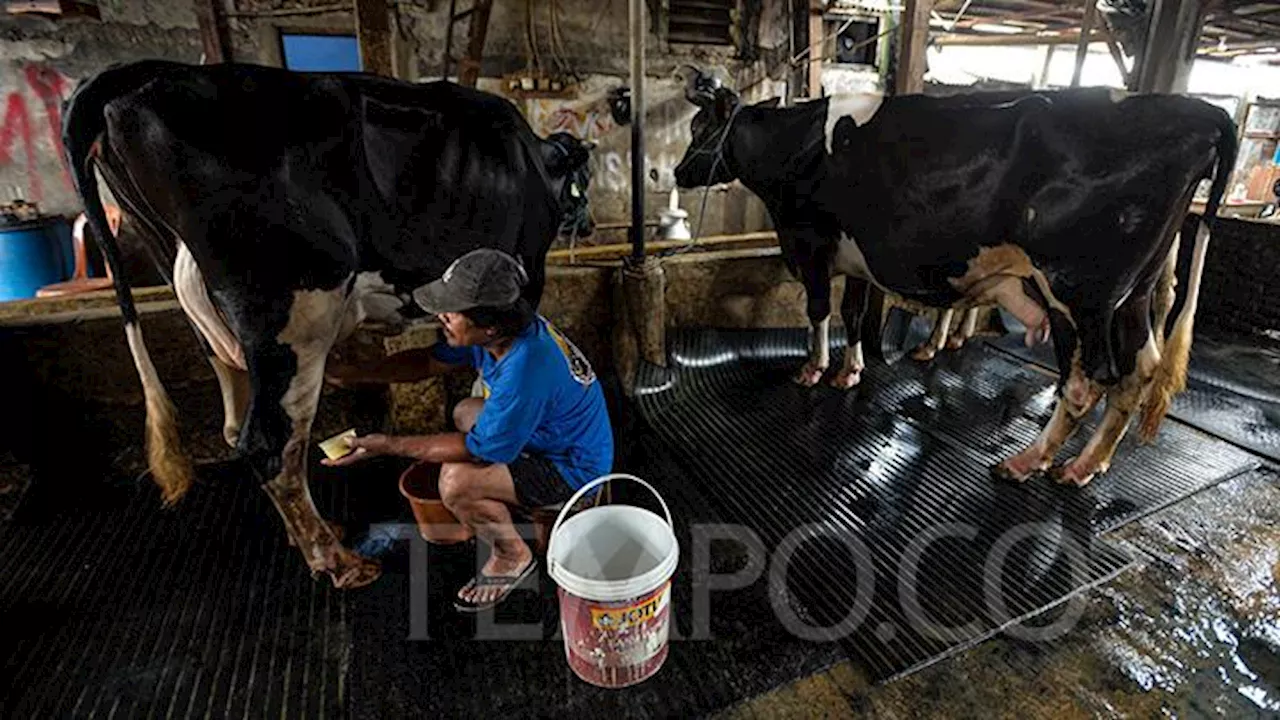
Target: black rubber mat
892, 463
451, 673
1233, 390
116, 608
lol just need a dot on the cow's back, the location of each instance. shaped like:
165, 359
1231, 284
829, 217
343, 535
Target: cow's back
328, 173
450, 169
933, 180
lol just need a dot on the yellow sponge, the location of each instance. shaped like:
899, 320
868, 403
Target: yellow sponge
337, 446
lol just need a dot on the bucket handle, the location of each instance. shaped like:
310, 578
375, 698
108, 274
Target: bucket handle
592, 485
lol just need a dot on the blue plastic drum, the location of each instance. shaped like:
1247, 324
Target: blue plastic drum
32, 255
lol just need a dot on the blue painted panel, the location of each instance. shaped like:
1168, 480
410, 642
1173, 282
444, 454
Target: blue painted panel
329, 53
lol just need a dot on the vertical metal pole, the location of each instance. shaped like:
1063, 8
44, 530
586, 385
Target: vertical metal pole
638, 31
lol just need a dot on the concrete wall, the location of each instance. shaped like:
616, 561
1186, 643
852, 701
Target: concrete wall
40, 62
74, 396
596, 46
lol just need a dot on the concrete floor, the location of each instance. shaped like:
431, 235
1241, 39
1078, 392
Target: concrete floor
1193, 631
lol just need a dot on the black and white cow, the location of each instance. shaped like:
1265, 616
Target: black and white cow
270, 200
1061, 207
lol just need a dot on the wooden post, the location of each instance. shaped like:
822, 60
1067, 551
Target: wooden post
213, 31
1042, 81
817, 48
373, 31
1171, 45
1082, 47
477, 31
909, 77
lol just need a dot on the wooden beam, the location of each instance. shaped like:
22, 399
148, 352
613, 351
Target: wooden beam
1066, 38
1042, 80
214, 37
1117, 55
817, 47
373, 32
1082, 46
909, 76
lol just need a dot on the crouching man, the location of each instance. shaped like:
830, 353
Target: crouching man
540, 432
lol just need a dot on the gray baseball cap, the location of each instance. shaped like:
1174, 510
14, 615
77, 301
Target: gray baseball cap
481, 278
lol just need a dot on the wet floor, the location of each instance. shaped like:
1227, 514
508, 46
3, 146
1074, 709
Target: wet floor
1192, 632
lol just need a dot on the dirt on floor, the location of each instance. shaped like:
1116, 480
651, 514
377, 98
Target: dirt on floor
1192, 631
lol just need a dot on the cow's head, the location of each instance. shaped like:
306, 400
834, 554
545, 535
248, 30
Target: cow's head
704, 162
566, 159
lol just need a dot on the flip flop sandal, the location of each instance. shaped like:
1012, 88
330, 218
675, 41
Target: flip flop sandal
510, 582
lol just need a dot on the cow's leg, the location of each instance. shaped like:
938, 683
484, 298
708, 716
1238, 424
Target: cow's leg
817, 286
1076, 399
967, 327
1162, 303
938, 340
852, 308
1135, 341
286, 373
1077, 394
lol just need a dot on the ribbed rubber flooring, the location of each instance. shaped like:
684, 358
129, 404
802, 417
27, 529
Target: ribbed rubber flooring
115, 608
743, 652
887, 465
1227, 394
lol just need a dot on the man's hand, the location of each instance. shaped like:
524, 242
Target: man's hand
344, 375
363, 447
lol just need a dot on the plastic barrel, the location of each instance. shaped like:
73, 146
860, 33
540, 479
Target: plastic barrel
32, 255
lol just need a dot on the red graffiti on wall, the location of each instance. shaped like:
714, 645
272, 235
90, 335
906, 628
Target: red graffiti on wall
50, 87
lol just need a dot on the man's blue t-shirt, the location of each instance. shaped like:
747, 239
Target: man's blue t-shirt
542, 397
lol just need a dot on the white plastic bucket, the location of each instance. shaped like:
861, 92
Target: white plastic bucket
613, 565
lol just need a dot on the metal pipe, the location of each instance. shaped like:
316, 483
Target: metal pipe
638, 31
615, 249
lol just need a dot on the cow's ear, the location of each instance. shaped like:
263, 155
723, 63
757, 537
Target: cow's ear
770, 103
726, 103
564, 153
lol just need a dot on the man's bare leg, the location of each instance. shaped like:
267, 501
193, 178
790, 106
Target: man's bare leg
479, 496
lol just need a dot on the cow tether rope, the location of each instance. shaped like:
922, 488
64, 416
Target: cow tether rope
706, 191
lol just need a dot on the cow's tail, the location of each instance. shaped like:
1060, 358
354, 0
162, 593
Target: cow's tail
1171, 375
83, 134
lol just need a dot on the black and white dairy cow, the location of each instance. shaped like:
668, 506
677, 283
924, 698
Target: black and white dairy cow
270, 199
1063, 208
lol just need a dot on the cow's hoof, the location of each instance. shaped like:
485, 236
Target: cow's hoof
924, 353
355, 571
1019, 468
809, 375
1075, 474
231, 435
955, 343
847, 379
